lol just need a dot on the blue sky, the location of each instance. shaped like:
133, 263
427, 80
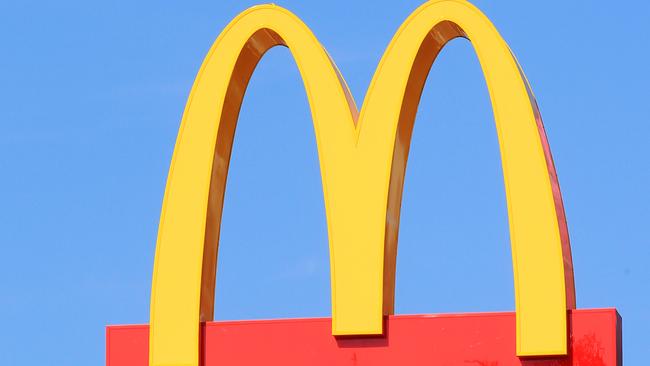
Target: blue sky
92, 94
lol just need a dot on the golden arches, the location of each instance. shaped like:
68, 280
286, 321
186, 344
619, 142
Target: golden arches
362, 160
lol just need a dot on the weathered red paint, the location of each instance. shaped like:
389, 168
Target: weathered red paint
480, 339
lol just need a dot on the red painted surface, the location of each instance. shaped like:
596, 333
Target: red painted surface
482, 339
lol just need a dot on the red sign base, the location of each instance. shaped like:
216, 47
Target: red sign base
480, 339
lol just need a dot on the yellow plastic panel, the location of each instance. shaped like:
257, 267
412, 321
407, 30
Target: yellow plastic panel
543, 282
362, 161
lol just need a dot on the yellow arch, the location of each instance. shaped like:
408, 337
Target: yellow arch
362, 161
542, 265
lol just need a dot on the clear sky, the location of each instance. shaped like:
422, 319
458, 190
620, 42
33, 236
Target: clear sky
91, 95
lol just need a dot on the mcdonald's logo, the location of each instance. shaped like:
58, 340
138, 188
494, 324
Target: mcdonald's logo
363, 158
